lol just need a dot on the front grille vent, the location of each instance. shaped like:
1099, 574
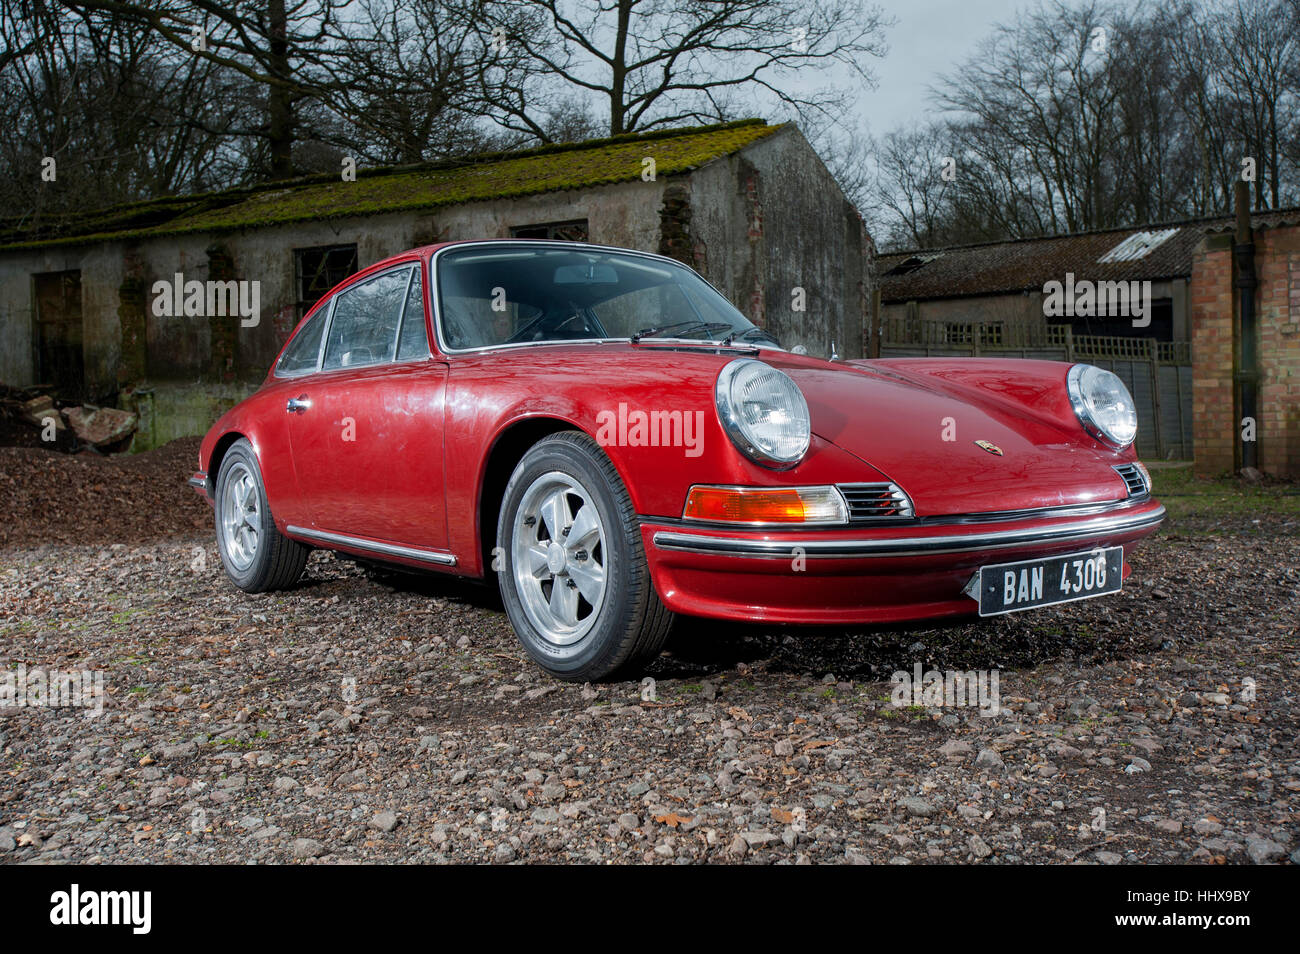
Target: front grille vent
1134, 478
870, 502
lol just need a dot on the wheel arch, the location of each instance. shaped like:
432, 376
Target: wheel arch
505, 453
507, 450
219, 450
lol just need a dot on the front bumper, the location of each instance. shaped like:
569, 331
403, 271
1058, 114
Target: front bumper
916, 570
199, 481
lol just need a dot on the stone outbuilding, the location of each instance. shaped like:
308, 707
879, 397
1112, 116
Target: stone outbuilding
749, 205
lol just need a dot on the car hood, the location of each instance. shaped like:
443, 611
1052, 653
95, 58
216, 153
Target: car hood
919, 423
895, 416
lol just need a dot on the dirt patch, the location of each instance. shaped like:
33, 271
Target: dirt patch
48, 497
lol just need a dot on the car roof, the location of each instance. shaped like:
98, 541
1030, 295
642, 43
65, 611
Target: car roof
425, 251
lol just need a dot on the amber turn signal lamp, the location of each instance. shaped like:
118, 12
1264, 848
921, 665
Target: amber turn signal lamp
765, 505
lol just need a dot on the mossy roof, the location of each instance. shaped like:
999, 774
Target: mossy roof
402, 188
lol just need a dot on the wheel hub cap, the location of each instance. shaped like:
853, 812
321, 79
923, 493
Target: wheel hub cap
240, 517
558, 558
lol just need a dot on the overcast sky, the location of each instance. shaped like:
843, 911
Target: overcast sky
931, 36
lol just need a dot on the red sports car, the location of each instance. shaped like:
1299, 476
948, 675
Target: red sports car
602, 430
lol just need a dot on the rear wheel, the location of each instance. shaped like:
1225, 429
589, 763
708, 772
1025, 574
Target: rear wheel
257, 557
573, 572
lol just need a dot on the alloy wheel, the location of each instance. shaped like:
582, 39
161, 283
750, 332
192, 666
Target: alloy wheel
558, 556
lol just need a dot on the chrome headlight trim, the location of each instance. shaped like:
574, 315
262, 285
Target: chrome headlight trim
733, 423
1083, 409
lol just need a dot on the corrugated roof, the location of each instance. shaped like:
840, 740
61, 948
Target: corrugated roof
1138, 245
1026, 264
377, 191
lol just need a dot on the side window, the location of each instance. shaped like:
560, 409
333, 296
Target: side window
300, 357
414, 341
364, 328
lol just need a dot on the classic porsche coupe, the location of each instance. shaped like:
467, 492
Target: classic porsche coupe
603, 431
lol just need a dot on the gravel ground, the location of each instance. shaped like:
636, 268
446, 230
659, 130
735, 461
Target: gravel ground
365, 717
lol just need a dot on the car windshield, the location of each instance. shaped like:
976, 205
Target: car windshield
512, 294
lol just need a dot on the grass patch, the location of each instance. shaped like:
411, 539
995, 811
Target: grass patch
1186, 495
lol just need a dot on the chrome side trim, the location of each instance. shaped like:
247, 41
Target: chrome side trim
373, 546
902, 546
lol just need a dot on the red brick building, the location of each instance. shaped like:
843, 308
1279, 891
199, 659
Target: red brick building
1216, 347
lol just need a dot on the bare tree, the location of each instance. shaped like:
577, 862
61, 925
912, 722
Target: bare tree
915, 176
1259, 50
412, 78
283, 49
105, 102
1084, 114
660, 62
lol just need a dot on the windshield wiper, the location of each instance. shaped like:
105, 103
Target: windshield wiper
654, 332
748, 332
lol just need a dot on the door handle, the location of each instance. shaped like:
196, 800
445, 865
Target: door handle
298, 405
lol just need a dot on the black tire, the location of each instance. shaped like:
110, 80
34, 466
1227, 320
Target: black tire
631, 625
275, 562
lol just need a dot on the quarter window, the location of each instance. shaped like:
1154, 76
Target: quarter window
304, 350
363, 330
414, 340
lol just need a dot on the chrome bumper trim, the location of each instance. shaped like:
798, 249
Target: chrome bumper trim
373, 546
904, 546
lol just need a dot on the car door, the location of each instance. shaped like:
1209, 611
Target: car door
366, 429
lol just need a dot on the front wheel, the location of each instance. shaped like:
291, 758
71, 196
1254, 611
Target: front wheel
573, 572
257, 557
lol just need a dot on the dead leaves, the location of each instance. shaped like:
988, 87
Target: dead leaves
672, 819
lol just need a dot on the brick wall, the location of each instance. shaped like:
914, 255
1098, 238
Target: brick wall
1213, 319
1278, 267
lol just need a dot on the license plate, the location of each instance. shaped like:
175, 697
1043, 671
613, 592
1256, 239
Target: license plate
1009, 587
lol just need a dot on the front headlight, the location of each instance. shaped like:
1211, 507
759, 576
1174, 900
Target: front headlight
1102, 404
764, 413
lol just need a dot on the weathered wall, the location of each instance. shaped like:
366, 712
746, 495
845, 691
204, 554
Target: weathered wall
625, 214
101, 268
1215, 320
758, 224
771, 219
171, 409
1015, 309
125, 343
